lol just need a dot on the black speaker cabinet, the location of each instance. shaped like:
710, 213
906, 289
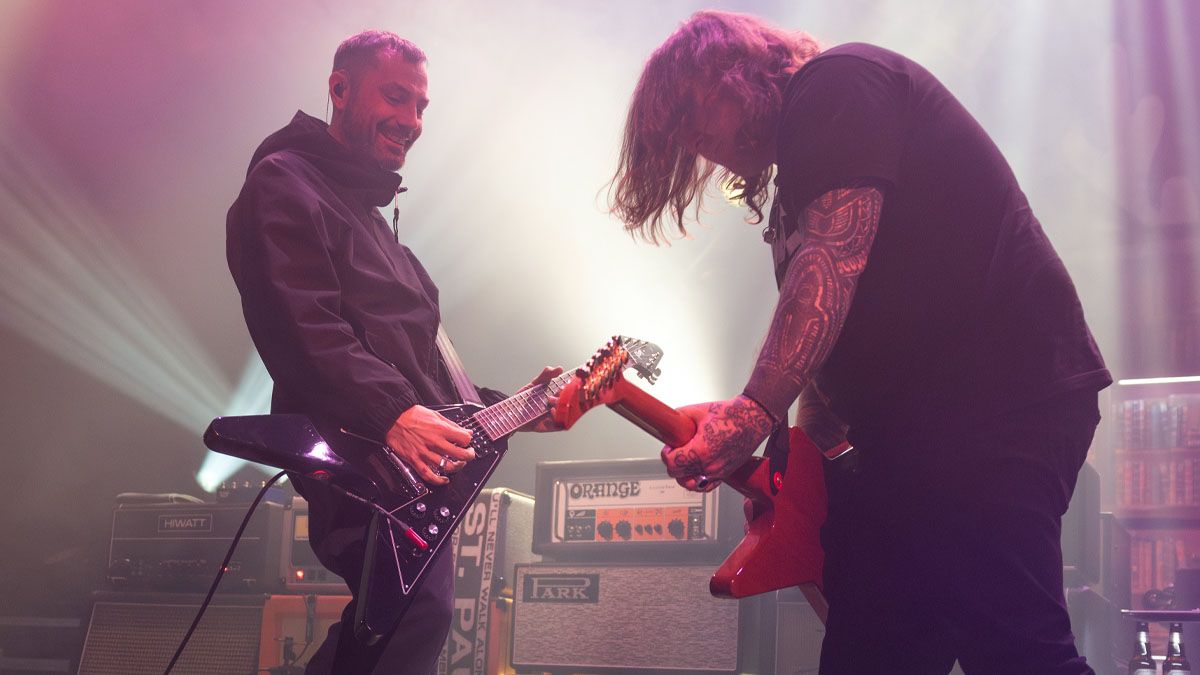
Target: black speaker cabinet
620, 618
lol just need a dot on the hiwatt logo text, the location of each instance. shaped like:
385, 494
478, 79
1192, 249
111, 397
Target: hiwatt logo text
191, 522
562, 588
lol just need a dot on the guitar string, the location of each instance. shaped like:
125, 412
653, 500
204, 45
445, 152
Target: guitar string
515, 409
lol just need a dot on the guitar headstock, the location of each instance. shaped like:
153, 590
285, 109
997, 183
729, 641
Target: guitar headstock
643, 356
593, 382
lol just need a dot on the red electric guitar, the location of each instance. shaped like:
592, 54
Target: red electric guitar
782, 546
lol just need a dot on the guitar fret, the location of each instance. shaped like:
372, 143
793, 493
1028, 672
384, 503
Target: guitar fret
486, 420
510, 413
534, 408
501, 419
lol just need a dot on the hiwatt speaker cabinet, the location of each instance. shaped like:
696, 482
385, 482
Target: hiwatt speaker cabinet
131, 634
177, 547
622, 618
494, 536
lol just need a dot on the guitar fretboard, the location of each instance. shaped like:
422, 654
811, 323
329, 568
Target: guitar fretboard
516, 411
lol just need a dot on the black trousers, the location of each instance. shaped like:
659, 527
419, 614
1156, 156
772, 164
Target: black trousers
949, 548
336, 530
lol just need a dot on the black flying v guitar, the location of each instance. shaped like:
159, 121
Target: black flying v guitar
412, 521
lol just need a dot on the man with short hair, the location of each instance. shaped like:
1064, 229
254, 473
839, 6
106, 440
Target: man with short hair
345, 318
923, 317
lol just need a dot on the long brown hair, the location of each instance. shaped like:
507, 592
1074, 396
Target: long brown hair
656, 174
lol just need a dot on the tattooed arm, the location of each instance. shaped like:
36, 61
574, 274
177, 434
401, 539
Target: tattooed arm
727, 433
815, 295
813, 302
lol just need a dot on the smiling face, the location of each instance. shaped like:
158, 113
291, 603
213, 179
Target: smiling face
379, 110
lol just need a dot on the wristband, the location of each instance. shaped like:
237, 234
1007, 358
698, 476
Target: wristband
770, 415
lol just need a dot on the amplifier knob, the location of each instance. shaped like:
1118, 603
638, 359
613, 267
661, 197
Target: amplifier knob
418, 510
624, 529
675, 528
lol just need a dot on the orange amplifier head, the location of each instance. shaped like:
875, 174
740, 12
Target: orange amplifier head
629, 510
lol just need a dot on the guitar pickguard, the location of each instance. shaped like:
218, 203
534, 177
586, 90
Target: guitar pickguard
397, 564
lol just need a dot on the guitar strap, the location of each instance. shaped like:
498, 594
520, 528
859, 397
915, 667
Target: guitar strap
454, 366
783, 234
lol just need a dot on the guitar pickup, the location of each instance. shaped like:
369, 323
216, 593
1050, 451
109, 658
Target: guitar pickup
418, 488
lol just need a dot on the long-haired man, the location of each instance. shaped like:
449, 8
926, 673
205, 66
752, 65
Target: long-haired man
922, 315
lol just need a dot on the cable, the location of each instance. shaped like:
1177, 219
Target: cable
221, 572
303, 651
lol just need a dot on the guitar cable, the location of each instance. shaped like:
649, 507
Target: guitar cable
221, 571
404, 527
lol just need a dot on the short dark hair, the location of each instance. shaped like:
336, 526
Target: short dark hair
365, 48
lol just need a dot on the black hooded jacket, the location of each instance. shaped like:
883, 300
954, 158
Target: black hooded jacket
343, 316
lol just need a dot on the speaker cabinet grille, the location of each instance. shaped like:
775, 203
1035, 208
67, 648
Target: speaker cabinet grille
625, 618
129, 638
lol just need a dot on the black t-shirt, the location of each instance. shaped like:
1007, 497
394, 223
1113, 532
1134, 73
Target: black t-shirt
964, 310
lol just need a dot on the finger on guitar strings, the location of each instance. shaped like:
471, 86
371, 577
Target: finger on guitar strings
444, 447
428, 473
442, 464
453, 433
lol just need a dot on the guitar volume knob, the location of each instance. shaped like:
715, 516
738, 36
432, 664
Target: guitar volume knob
442, 514
418, 510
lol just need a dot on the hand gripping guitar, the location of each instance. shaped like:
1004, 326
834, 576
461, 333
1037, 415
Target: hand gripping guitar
782, 546
411, 521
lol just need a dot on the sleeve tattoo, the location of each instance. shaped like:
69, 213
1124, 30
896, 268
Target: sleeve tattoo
816, 293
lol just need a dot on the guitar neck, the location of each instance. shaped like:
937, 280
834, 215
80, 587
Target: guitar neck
504, 418
654, 417
675, 429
